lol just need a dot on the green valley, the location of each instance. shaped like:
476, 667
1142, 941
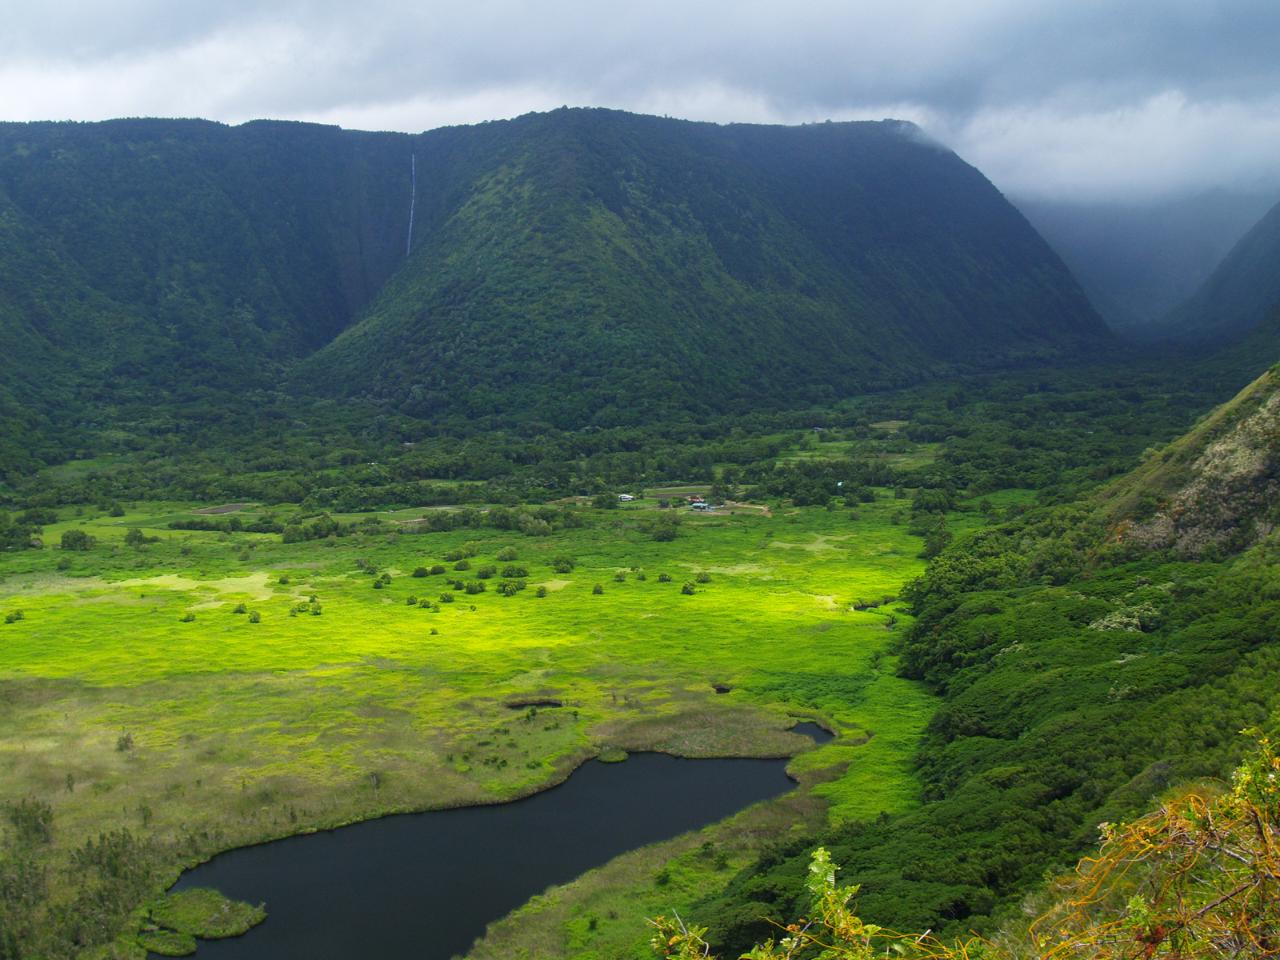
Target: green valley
217, 687
351, 474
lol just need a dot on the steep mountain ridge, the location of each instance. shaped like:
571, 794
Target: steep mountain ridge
197, 252
615, 266
1214, 491
577, 266
1242, 296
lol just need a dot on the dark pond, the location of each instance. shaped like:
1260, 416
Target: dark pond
424, 886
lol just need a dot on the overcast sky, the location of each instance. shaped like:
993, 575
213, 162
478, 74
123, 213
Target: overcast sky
1074, 98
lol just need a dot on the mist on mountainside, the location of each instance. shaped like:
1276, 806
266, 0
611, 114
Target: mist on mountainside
1240, 301
1139, 261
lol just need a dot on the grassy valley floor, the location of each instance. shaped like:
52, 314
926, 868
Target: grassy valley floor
134, 694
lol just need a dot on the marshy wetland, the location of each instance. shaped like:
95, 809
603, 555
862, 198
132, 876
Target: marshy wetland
212, 689
426, 885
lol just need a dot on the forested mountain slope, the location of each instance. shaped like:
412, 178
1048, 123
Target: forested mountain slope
1086, 663
145, 256
1242, 296
1139, 260
575, 266
611, 266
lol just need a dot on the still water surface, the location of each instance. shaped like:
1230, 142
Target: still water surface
425, 885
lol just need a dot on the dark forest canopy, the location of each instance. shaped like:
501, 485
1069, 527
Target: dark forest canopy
578, 267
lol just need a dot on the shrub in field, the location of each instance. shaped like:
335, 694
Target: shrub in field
77, 540
664, 527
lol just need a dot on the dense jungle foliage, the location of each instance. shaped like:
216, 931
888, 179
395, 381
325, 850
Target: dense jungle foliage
1055, 431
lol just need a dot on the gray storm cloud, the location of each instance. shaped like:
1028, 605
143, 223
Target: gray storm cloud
1081, 98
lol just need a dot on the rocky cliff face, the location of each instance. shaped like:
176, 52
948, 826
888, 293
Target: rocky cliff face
1218, 492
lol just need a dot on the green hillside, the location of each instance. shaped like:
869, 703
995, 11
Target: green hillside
1089, 656
608, 267
144, 257
1213, 490
1243, 294
579, 266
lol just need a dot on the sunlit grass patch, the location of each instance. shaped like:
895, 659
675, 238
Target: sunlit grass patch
235, 687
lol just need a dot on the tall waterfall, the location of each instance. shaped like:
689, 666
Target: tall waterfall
413, 198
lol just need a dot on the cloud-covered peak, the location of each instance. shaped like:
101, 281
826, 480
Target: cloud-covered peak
1080, 98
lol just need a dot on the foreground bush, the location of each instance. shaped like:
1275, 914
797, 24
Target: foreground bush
1198, 879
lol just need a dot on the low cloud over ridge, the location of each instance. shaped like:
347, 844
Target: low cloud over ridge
1087, 99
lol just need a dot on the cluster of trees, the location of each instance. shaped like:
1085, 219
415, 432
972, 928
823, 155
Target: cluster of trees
324, 526
77, 540
819, 481
664, 527
264, 524
114, 872
531, 521
17, 532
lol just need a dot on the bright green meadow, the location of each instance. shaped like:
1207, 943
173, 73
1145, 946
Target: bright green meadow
232, 687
